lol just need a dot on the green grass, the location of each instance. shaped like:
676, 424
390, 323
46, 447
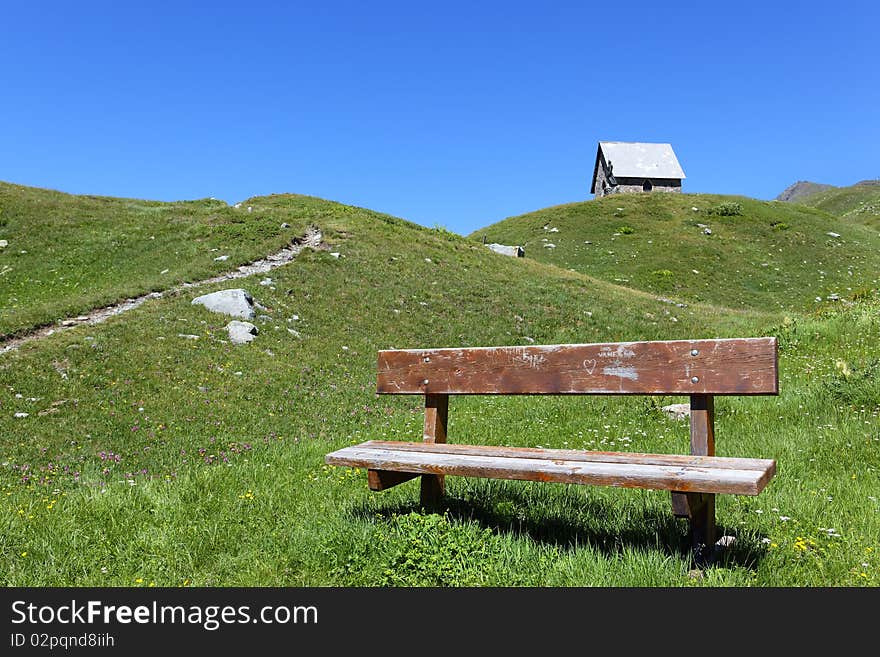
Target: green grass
150, 458
759, 255
857, 203
68, 254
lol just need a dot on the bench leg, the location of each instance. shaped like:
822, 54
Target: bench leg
385, 479
702, 523
436, 413
701, 506
699, 509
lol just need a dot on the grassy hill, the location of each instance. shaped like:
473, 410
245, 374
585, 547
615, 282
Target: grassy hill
150, 458
67, 254
857, 204
730, 251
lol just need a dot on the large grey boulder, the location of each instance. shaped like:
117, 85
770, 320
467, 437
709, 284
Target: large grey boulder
235, 303
241, 332
503, 249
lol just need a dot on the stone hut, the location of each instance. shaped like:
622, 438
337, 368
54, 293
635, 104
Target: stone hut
630, 167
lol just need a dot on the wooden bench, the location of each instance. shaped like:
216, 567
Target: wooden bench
697, 368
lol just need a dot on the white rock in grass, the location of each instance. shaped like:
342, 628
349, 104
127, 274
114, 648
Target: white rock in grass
21, 414
678, 411
3, 244
235, 303
832, 234
504, 249
221, 258
241, 332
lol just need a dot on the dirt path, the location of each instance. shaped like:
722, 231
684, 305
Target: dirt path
311, 240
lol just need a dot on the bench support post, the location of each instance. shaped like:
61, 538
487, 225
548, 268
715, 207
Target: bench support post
699, 508
436, 414
385, 479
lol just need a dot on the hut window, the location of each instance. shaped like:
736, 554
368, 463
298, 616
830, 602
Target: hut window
647, 187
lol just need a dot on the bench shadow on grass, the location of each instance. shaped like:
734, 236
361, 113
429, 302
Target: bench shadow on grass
647, 527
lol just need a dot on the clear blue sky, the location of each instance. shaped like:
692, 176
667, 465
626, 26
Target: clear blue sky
456, 113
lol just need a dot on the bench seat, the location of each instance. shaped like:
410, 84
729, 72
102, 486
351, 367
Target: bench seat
673, 472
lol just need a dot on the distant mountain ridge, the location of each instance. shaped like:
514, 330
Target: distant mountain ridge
859, 203
800, 189
803, 188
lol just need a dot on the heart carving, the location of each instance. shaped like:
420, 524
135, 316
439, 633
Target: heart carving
590, 365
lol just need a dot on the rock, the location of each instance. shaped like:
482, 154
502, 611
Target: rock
241, 332
832, 234
336, 255
702, 226
285, 225
221, 258
235, 303
266, 282
833, 297
3, 244
707, 231
237, 205
695, 209
554, 230
503, 249
549, 245
678, 411
294, 333
250, 208
725, 541
21, 414
187, 336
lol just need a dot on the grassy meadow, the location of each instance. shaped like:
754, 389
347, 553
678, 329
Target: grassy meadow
149, 458
761, 255
68, 254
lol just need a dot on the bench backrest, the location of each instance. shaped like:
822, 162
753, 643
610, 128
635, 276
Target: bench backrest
739, 366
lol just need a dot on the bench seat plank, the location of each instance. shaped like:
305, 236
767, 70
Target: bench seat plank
691, 474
